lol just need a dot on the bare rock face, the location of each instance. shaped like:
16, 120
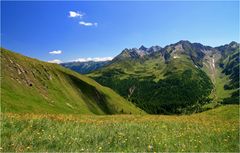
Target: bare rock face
131, 91
143, 48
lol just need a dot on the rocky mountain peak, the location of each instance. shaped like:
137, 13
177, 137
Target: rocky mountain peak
143, 48
154, 49
183, 42
234, 44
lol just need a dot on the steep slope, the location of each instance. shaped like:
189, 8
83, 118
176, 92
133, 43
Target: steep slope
230, 63
85, 67
222, 66
230, 67
29, 85
167, 80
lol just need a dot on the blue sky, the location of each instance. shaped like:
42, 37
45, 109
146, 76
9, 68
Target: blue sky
104, 29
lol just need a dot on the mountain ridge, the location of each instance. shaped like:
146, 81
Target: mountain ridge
88, 67
85, 67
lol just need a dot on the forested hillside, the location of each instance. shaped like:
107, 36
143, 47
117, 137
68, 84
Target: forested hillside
179, 78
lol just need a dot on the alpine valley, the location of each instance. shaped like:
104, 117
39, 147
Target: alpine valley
180, 78
119, 76
46, 107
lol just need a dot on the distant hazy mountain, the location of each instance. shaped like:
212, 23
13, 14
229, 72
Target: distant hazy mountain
85, 67
178, 78
33, 86
135, 53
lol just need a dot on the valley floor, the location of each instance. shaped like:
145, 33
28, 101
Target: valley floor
216, 130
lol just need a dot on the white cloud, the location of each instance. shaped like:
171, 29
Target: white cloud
73, 14
57, 61
95, 59
88, 23
56, 52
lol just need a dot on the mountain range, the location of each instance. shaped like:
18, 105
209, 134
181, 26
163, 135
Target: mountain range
85, 67
178, 78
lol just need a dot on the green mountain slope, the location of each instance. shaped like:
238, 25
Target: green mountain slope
230, 67
230, 64
167, 80
29, 85
222, 66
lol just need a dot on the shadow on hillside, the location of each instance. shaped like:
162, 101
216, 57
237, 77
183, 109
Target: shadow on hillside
92, 96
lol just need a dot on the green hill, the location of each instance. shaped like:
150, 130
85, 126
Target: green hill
30, 85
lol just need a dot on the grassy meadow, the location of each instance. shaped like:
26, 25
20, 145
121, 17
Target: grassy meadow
215, 130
